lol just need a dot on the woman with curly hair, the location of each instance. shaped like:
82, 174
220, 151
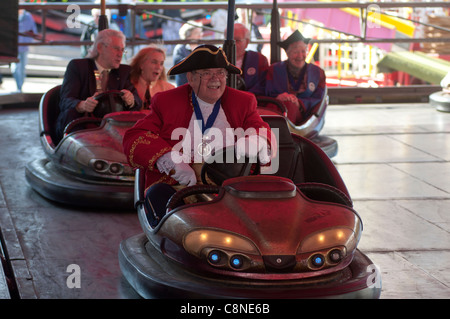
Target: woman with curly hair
148, 74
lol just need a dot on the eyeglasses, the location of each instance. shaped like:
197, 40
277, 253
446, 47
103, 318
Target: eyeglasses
116, 48
209, 75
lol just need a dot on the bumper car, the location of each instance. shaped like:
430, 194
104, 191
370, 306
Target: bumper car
291, 234
309, 128
87, 166
441, 100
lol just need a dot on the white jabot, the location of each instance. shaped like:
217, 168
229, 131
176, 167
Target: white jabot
221, 124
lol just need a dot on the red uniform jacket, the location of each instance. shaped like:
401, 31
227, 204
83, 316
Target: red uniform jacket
150, 138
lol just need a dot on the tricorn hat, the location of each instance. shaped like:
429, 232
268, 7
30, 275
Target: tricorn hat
204, 57
294, 37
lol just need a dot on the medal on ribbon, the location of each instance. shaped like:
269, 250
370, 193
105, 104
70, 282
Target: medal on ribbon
204, 149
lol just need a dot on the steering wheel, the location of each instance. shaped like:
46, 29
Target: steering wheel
81, 121
269, 102
223, 164
240, 83
217, 169
108, 102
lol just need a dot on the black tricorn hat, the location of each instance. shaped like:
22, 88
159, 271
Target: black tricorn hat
294, 37
204, 57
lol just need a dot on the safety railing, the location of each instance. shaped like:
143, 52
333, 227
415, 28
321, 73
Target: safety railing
365, 8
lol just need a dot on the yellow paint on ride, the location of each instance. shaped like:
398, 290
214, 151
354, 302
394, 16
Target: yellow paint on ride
311, 52
405, 27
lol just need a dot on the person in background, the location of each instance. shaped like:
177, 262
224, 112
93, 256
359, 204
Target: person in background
139, 30
204, 105
170, 27
148, 74
99, 72
257, 19
90, 30
299, 85
253, 64
219, 19
191, 30
27, 31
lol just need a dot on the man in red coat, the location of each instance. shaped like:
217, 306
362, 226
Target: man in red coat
187, 123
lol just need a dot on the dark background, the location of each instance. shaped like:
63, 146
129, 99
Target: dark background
8, 28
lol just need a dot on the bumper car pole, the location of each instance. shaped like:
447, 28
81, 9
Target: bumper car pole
275, 52
229, 45
102, 19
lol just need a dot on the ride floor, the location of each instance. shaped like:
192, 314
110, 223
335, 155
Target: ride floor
394, 159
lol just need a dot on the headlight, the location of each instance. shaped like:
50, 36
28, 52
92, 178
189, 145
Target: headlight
237, 261
102, 166
195, 241
329, 238
317, 260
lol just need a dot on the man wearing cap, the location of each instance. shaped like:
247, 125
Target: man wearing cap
300, 85
204, 104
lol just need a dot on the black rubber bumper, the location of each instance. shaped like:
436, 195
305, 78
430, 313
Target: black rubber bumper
58, 187
154, 276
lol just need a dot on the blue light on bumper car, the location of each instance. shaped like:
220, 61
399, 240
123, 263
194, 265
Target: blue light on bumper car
317, 260
214, 257
236, 262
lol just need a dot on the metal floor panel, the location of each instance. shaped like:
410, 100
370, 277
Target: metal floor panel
395, 161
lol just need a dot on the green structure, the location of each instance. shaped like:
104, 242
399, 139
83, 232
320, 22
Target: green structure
417, 64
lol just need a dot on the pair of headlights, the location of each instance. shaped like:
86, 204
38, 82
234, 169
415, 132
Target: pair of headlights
102, 166
332, 257
219, 258
226, 249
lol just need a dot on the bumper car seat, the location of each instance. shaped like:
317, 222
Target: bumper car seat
301, 160
309, 127
49, 106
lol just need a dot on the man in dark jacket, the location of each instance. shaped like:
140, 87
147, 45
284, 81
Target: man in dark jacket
84, 77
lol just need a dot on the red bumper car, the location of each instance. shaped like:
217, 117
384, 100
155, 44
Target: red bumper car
292, 234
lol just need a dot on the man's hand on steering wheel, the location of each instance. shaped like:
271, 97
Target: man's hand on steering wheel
87, 105
128, 98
